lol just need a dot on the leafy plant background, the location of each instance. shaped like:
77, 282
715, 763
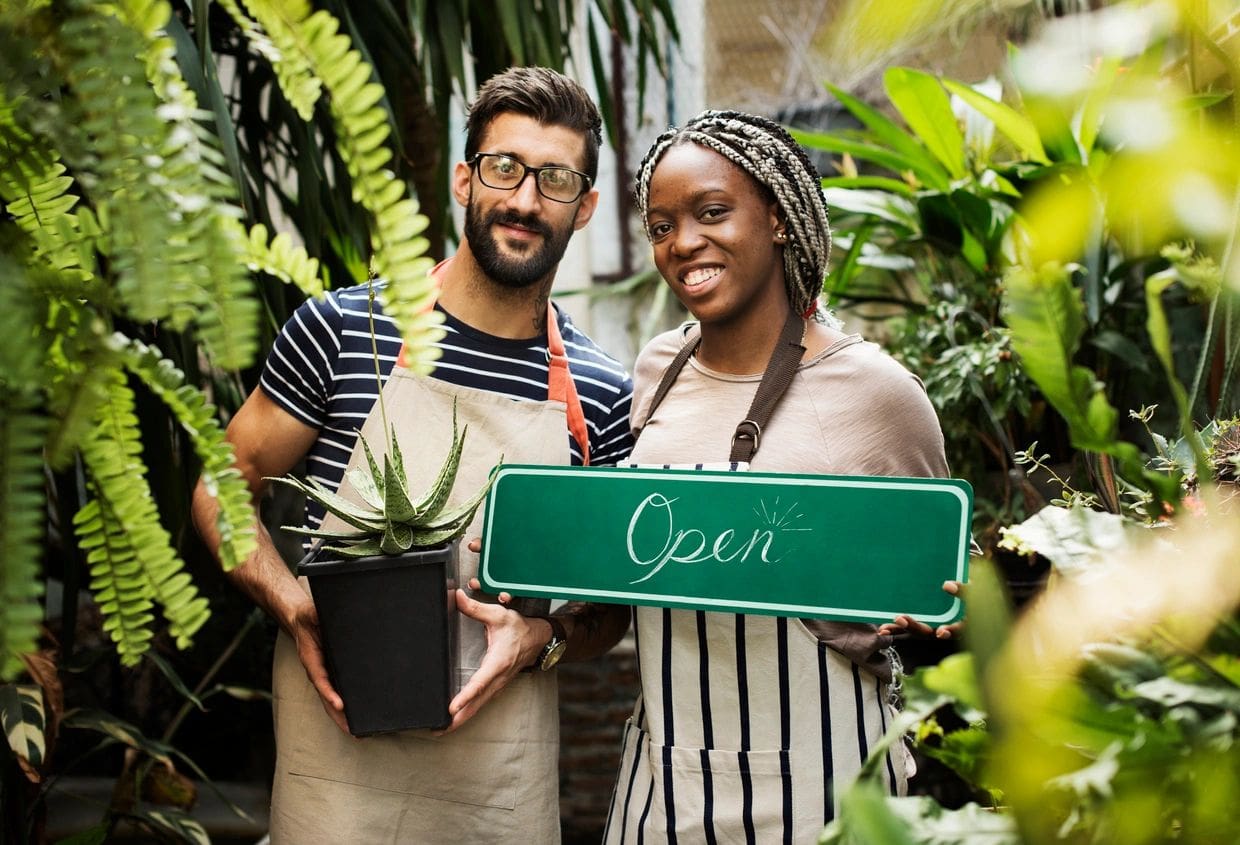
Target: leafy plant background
1071, 309
144, 276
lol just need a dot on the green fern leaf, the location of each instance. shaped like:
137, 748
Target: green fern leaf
235, 519
36, 191
156, 178
110, 557
112, 454
22, 506
284, 260
312, 43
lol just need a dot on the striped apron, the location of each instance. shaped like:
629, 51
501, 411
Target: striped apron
745, 729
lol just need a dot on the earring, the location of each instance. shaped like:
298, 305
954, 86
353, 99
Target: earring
781, 236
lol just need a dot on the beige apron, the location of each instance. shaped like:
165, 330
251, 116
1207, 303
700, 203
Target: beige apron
494, 779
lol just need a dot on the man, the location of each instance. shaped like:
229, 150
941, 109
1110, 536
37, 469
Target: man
531, 158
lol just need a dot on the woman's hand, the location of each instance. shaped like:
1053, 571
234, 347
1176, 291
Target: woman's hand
907, 624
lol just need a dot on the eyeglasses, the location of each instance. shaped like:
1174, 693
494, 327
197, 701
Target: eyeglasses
506, 173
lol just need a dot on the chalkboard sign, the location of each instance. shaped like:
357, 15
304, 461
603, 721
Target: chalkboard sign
831, 547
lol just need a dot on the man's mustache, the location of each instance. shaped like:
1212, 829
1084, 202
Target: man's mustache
526, 222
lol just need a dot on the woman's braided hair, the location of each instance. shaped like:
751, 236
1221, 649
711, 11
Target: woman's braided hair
764, 150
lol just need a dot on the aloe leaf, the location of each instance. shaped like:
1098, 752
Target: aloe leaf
375, 473
437, 495
396, 504
397, 538
437, 536
398, 458
464, 512
327, 535
353, 514
370, 548
364, 483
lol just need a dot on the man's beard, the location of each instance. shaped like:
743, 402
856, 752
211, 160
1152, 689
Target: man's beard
513, 272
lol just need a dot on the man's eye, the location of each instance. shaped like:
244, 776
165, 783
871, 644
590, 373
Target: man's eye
557, 178
505, 166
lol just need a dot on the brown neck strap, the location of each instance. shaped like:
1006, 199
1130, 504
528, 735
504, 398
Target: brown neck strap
780, 370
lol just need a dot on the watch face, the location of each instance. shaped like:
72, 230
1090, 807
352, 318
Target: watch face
553, 654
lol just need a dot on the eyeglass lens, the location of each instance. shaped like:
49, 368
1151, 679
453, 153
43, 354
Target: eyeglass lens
506, 173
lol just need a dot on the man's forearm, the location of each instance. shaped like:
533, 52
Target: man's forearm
263, 577
592, 629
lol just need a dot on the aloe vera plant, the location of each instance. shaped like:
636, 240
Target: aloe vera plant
391, 521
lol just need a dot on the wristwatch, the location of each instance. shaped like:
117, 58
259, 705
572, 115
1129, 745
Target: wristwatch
555, 647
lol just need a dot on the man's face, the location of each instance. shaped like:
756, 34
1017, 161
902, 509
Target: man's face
519, 236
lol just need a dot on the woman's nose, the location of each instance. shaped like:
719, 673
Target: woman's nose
687, 240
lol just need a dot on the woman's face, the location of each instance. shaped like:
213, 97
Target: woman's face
713, 233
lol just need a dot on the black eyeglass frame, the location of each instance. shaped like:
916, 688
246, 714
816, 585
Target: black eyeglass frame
587, 182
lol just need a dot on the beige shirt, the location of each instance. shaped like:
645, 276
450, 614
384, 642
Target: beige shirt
850, 410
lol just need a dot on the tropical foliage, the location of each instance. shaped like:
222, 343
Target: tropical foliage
931, 229
150, 156
123, 242
1109, 711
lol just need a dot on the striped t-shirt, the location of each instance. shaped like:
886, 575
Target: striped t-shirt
321, 370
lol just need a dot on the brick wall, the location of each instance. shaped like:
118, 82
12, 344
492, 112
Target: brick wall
596, 698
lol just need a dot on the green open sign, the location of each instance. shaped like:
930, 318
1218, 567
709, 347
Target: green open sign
851, 548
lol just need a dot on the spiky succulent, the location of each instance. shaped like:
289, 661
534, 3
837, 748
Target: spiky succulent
391, 521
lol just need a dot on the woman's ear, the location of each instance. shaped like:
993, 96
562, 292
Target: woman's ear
779, 227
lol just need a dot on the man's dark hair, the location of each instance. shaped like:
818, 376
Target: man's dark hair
542, 94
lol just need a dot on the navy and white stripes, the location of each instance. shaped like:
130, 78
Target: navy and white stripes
322, 371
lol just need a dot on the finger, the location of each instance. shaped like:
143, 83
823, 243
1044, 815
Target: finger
955, 588
475, 584
470, 699
475, 545
484, 613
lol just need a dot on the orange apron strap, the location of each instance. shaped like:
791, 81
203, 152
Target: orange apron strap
562, 388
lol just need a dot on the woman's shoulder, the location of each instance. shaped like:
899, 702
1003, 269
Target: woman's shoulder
658, 353
853, 357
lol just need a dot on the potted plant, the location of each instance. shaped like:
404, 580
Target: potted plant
384, 589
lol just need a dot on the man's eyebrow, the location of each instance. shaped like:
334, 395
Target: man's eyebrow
547, 163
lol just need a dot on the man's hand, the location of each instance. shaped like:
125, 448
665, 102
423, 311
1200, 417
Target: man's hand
907, 624
513, 641
304, 629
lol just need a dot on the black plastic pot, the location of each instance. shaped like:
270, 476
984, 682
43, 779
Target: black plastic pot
388, 626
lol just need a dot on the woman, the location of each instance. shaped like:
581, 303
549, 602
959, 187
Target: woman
747, 724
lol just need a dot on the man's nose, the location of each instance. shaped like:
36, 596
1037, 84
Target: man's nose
525, 197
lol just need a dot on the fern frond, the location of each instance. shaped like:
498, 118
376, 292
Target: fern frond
283, 259
77, 373
123, 596
36, 191
156, 177
203, 198
22, 515
235, 520
115, 114
300, 85
112, 454
313, 41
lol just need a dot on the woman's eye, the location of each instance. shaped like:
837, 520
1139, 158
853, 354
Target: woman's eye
658, 230
713, 212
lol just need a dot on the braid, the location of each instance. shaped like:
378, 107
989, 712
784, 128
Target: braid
764, 150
